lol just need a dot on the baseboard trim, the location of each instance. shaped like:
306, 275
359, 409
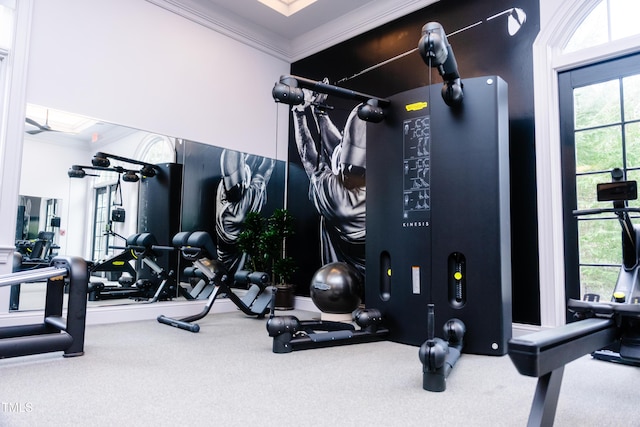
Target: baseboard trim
177, 309
136, 312
519, 329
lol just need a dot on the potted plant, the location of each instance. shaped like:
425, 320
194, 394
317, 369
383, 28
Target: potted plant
263, 240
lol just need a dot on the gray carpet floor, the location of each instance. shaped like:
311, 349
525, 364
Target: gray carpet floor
147, 374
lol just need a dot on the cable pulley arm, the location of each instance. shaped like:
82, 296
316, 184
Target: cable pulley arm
436, 52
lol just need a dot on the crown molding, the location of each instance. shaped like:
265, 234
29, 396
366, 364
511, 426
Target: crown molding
363, 19
229, 25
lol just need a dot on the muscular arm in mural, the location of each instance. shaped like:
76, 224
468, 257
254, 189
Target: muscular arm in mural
261, 167
264, 169
312, 154
304, 140
330, 136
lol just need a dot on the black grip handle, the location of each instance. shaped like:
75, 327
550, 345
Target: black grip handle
162, 248
191, 327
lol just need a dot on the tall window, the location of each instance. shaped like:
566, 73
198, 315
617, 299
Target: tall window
604, 134
51, 211
600, 128
102, 239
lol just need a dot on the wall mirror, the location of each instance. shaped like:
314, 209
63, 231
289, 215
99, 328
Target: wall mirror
60, 214
78, 171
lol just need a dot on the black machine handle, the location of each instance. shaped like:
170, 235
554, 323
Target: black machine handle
162, 248
604, 210
153, 247
192, 327
288, 90
431, 320
190, 253
272, 306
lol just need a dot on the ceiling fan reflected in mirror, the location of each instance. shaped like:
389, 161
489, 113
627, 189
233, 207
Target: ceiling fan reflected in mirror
43, 119
39, 128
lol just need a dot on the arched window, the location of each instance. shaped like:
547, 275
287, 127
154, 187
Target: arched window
610, 20
156, 149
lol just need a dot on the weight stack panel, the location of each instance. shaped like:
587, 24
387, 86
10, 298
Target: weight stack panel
438, 215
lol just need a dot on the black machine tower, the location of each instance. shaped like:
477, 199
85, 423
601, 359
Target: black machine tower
438, 214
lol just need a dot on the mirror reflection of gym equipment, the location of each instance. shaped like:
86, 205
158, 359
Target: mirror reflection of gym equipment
150, 276
144, 271
127, 267
51, 131
213, 279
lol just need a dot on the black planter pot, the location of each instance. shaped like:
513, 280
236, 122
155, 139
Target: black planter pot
285, 297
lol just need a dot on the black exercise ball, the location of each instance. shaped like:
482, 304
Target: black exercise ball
336, 288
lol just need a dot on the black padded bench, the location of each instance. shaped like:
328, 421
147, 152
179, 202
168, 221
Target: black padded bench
544, 354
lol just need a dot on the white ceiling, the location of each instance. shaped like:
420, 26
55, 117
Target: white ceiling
318, 13
320, 25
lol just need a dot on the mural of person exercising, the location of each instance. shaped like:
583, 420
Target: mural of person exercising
337, 170
242, 189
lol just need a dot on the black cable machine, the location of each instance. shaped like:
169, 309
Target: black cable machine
608, 330
57, 332
214, 281
142, 248
425, 163
438, 182
160, 186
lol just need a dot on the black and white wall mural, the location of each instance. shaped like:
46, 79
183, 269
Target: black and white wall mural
327, 171
220, 187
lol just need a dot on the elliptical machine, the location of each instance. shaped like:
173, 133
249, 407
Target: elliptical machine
627, 290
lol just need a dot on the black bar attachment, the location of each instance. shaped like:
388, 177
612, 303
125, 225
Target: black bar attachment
56, 332
289, 91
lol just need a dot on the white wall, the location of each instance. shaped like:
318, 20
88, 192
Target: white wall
547, 10
45, 165
44, 174
133, 63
